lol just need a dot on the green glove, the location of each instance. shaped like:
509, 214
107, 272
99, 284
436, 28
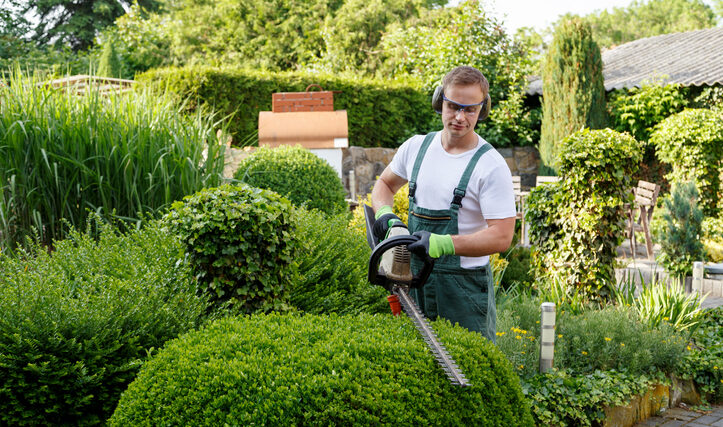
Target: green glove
385, 219
432, 245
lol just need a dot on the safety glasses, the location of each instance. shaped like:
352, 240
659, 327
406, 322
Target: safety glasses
468, 109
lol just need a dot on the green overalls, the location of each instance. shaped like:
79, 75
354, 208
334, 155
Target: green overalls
461, 295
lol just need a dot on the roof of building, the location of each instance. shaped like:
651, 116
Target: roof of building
693, 58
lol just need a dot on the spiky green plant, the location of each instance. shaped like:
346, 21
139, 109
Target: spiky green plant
63, 155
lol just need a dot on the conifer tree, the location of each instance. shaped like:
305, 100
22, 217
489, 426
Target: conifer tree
110, 64
573, 89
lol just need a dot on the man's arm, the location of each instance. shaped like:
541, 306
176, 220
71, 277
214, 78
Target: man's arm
385, 188
493, 239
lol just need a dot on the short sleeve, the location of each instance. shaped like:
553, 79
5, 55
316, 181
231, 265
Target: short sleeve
497, 197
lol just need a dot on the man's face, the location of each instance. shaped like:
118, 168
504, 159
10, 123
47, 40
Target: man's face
459, 121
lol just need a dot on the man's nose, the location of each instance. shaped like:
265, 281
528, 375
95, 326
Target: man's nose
458, 113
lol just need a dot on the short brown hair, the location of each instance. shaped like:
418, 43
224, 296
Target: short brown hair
465, 75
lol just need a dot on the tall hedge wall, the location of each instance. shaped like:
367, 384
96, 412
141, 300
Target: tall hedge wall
381, 113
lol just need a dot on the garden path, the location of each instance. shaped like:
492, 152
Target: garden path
684, 417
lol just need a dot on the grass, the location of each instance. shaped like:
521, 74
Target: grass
63, 156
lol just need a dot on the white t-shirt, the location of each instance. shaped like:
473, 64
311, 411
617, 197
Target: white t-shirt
489, 192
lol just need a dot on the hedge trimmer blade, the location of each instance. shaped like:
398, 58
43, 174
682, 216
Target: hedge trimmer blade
445, 361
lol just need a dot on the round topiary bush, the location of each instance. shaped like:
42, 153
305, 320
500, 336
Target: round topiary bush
321, 370
297, 174
239, 241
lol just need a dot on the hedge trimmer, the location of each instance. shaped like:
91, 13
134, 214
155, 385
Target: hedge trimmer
390, 268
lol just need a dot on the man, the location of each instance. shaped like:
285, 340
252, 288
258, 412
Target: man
461, 204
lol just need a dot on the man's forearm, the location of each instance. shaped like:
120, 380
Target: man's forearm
493, 239
382, 195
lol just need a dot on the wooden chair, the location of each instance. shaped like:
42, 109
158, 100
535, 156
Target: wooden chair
640, 214
520, 204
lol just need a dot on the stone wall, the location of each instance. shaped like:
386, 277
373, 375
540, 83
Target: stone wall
368, 164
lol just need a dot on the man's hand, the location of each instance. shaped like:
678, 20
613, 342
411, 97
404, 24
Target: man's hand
385, 219
432, 245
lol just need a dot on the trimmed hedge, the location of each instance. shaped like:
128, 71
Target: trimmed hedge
381, 113
321, 370
297, 174
239, 242
77, 324
692, 143
577, 223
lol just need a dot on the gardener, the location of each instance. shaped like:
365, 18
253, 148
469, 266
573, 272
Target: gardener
461, 204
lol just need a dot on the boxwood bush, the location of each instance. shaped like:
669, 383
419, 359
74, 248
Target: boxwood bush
332, 263
239, 241
692, 143
297, 174
382, 113
321, 370
77, 324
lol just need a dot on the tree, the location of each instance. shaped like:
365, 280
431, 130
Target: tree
646, 19
110, 65
572, 81
75, 23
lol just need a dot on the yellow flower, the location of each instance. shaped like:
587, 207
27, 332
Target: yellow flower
499, 334
522, 366
715, 367
622, 344
666, 318
584, 353
608, 339
518, 337
537, 322
559, 335
522, 352
689, 348
531, 338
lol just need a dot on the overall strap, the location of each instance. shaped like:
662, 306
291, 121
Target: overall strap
418, 163
461, 189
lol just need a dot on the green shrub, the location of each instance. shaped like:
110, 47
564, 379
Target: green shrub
680, 243
381, 113
297, 174
77, 324
704, 363
559, 398
518, 335
574, 91
63, 156
319, 370
332, 263
239, 241
614, 339
692, 143
518, 266
577, 224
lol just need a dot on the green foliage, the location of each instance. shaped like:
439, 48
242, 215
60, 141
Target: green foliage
239, 242
577, 223
518, 266
638, 110
692, 143
63, 155
74, 24
332, 263
319, 370
381, 113
574, 92
680, 244
77, 324
561, 399
704, 363
518, 335
401, 209
615, 339
649, 18
297, 174
110, 64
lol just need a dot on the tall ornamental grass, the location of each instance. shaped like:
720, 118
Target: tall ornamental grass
63, 155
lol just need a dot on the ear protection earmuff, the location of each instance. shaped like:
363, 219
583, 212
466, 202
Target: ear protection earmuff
437, 99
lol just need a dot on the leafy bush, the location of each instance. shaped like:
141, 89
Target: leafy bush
63, 156
335, 370
297, 174
680, 244
713, 238
239, 242
518, 266
518, 335
332, 263
639, 109
574, 91
577, 224
692, 143
614, 339
77, 324
561, 399
704, 362
381, 113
